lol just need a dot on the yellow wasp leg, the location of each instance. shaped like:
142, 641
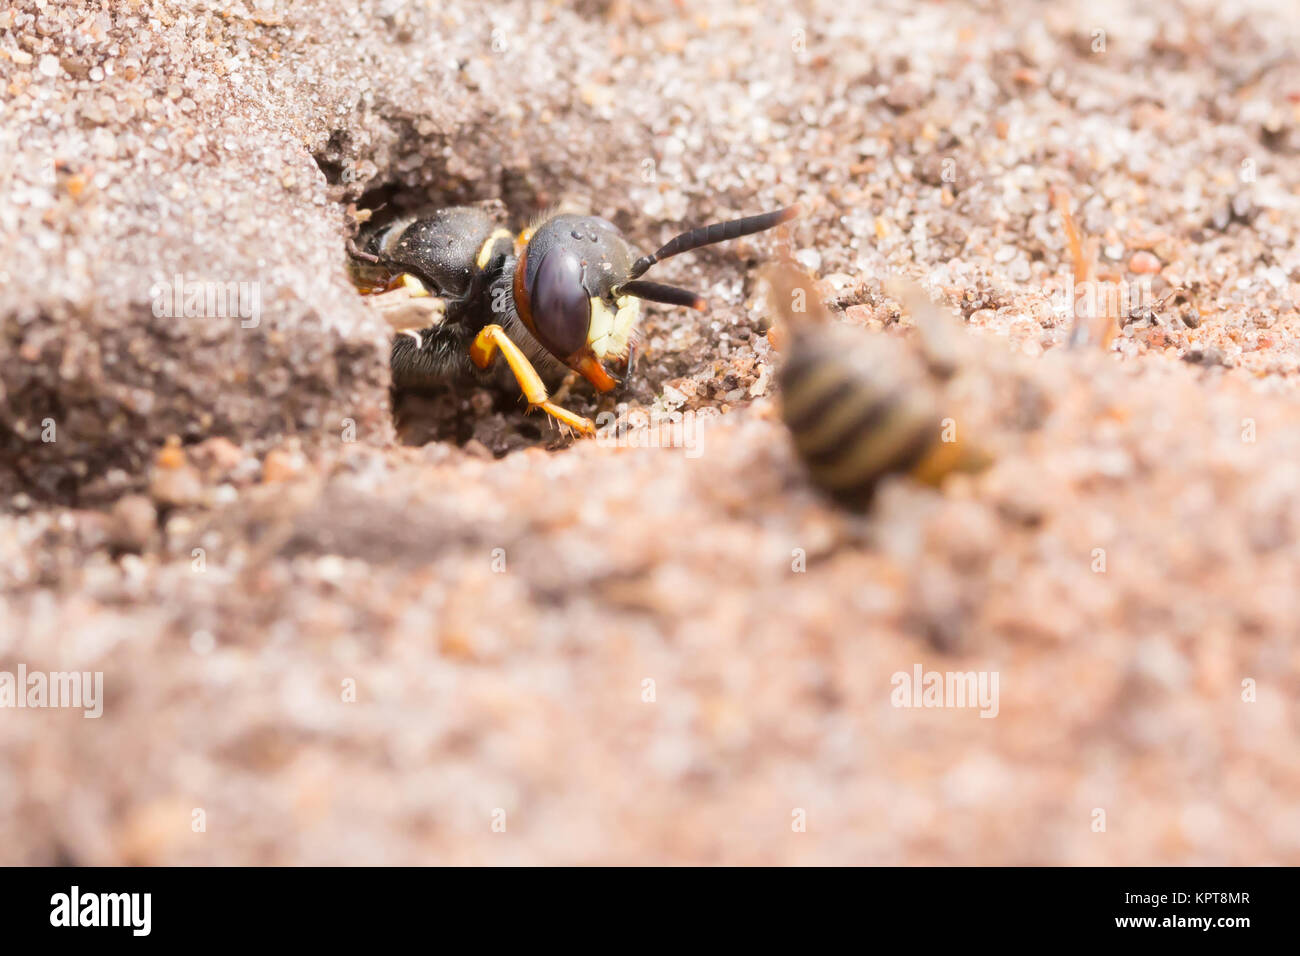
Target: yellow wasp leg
484, 350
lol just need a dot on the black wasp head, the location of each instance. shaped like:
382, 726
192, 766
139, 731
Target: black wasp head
565, 288
577, 286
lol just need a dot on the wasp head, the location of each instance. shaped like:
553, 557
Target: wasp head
566, 288
577, 285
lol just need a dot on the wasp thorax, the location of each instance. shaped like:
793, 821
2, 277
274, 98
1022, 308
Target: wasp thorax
449, 250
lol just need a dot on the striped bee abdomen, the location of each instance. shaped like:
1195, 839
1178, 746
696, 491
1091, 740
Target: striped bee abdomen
859, 410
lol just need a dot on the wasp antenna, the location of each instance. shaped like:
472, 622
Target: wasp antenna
718, 232
667, 294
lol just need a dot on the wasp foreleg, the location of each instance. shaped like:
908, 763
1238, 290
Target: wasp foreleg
484, 349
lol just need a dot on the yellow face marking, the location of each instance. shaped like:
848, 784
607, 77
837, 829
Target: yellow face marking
609, 332
485, 252
602, 323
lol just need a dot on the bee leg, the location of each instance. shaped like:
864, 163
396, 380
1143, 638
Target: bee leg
484, 350
358, 254
562, 393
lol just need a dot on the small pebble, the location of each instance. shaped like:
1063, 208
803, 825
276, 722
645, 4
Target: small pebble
280, 465
132, 523
1144, 263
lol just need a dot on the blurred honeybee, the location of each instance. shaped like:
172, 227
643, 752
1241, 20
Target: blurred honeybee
861, 406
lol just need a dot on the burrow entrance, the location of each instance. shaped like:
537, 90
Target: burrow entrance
706, 360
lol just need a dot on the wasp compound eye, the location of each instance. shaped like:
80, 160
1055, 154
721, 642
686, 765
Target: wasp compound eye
561, 307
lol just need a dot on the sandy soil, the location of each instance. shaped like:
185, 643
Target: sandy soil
467, 640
